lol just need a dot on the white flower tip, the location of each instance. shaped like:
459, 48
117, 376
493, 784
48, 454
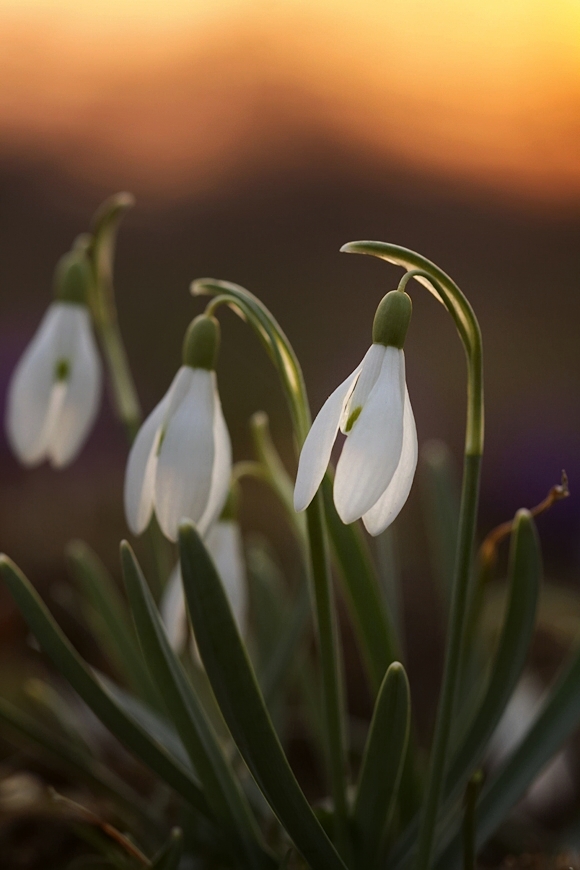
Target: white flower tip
301, 500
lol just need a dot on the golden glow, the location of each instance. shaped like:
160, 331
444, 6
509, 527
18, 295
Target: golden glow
165, 94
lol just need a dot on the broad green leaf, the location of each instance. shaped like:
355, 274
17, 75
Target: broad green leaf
374, 629
170, 855
109, 618
79, 675
382, 765
221, 789
243, 707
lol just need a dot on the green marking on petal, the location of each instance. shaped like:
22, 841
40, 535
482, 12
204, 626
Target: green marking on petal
161, 440
352, 418
62, 369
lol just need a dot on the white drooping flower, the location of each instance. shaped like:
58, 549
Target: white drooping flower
371, 407
55, 391
180, 462
224, 543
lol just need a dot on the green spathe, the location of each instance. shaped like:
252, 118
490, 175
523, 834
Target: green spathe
72, 278
392, 319
201, 343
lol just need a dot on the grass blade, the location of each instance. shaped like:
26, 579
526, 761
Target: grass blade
524, 573
71, 757
241, 702
109, 619
79, 675
382, 764
557, 721
223, 792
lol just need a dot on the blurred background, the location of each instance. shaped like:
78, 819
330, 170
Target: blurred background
258, 137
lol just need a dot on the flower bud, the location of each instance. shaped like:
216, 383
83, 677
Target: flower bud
392, 319
201, 343
72, 278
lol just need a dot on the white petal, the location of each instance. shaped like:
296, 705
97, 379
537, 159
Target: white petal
172, 610
222, 468
316, 450
369, 373
224, 543
389, 505
372, 450
31, 386
83, 393
186, 457
142, 464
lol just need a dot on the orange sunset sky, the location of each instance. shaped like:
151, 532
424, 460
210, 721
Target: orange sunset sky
170, 95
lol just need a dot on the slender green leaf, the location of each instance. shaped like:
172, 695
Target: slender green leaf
220, 787
237, 692
524, 573
374, 629
170, 855
109, 618
557, 721
382, 764
79, 675
72, 757
278, 476
160, 729
469, 821
279, 623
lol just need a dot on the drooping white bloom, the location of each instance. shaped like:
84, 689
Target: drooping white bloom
371, 407
55, 390
224, 543
180, 462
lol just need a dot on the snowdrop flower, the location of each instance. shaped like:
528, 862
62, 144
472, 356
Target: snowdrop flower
372, 408
55, 391
180, 462
224, 542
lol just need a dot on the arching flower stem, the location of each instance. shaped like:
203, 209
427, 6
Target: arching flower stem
449, 294
100, 246
250, 309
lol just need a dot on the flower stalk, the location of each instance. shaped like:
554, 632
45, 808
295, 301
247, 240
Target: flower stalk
449, 294
101, 249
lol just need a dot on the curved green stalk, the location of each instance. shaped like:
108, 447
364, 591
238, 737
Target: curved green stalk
447, 292
101, 250
104, 310
282, 355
